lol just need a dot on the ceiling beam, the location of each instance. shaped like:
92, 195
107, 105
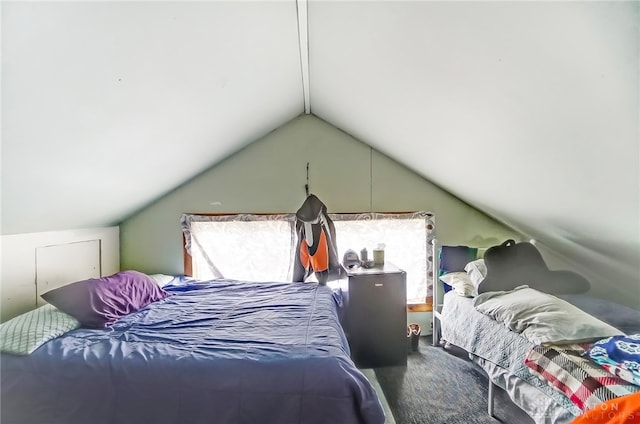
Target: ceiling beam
303, 37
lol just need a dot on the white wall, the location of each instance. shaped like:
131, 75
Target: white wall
18, 251
114, 90
269, 176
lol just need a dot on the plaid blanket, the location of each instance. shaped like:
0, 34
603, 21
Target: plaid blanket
583, 381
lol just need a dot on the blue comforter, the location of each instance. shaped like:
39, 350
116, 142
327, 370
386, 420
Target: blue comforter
214, 352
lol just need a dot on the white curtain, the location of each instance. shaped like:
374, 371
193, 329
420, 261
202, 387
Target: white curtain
407, 244
262, 247
241, 247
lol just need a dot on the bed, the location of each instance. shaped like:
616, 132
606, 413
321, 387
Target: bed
220, 351
506, 355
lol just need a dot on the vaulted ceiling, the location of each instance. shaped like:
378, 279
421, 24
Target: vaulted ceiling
528, 111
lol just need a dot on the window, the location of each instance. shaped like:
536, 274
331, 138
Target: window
261, 247
240, 247
406, 238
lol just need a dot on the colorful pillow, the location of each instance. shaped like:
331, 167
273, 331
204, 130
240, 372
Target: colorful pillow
620, 355
27, 332
461, 283
98, 302
455, 258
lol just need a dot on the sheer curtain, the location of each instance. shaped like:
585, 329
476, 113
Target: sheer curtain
407, 244
240, 247
262, 247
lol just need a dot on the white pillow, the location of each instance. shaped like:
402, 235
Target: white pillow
162, 279
541, 317
460, 283
477, 270
27, 332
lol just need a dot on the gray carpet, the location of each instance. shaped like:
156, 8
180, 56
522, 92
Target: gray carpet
439, 387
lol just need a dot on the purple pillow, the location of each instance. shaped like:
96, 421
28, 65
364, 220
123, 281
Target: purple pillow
97, 302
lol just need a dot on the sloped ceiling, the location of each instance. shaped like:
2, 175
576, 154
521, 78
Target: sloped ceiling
108, 105
527, 110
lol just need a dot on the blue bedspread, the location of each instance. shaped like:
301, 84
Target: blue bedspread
214, 352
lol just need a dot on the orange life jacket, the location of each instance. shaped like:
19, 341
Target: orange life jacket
319, 261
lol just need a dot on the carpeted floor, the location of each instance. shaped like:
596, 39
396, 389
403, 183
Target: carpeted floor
438, 387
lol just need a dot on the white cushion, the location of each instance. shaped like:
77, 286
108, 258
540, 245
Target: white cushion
460, 283
477, 270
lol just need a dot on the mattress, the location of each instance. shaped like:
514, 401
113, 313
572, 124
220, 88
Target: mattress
219, 351
501, 352
492, 342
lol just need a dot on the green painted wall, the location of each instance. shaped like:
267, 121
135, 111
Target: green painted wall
269, 176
